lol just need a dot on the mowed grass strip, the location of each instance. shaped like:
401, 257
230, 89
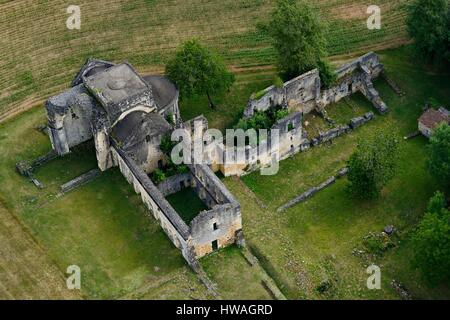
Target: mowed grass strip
235, 278
26, 272
42, 55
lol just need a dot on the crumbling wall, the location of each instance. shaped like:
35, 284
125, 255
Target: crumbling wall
304, 93
172, 109
175, 183
69, 118
291, 134
212, 183
299, 94
100, 125
221, 224
290, 141
147, 153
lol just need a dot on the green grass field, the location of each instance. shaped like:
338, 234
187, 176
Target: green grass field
123, 253
102, 227
40, 56
313, 241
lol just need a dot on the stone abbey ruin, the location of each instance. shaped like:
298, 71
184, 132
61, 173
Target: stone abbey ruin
127, 116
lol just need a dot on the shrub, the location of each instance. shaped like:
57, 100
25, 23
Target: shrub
439, 154
166, 145
377, 243
373, 164
182, 168
432, 242
262, 119
278, 82
170, 119
324, 286
195, 70
158, 176
327, 72
280, 114
428, 24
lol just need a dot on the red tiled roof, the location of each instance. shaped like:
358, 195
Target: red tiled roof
432, 118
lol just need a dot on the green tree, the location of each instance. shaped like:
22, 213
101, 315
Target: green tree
439, 154
373, 164
432, 242
298, 35
428, 24
196, 71
167, 145
328, 74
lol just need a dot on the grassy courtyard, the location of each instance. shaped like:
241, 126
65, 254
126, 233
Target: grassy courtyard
187, 203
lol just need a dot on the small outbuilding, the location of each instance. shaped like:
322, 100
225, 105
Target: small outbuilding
431, 118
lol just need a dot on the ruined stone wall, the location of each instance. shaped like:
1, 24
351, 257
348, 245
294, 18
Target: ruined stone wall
172, 109
69, 118
148, 154
427, 132
299, 94
57, 134
203, 191
221, 224
291, 134
304, 93
77, 125
291, 141
175, 183
105, 159
212, 183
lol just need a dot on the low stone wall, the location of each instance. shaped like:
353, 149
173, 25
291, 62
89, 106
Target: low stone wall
310, 192
340, 130
80, 180
330, 135
26, 168
359, 121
